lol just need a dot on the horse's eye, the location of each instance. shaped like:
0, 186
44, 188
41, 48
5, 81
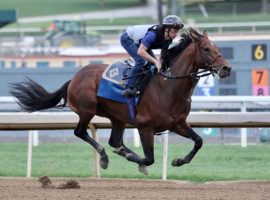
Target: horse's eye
206, 49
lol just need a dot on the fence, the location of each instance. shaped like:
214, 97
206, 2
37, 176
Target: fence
68, 120
37, 121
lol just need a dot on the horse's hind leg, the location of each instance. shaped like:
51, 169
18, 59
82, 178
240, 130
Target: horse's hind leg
116, 141
147, 139
191, 134
81, 132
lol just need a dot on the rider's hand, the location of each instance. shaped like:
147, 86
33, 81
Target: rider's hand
158, 65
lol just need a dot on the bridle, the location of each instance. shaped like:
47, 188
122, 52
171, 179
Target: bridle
209, 69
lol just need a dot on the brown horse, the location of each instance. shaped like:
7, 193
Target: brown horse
165, 104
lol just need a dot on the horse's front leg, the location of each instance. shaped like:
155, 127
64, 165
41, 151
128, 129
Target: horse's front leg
147, 140
187, 132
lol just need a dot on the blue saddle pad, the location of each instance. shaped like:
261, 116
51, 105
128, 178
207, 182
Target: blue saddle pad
112, 84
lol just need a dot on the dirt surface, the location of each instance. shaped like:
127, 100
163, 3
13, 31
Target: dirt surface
100, 189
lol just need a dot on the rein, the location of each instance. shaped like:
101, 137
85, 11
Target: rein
198, 74
138, 74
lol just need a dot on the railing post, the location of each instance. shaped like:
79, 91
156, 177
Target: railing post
136, 138
95, 154
243, 130
222, 138
35, 138
29, 154
165, 155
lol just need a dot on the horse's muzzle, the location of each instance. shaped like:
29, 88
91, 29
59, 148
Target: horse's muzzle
224, 71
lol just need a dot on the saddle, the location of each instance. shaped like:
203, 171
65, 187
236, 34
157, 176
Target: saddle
114, 80
115, 77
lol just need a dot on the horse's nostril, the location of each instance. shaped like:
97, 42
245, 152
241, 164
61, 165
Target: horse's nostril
226, 68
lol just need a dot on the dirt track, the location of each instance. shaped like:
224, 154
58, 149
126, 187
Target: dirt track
30, 189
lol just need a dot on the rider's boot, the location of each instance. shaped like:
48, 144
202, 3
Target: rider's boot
130, 91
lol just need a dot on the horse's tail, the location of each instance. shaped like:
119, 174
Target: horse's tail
31, 96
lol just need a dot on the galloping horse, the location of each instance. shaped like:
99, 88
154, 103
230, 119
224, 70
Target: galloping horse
165, 104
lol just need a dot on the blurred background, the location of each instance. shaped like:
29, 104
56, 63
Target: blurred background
67, 35
51, 40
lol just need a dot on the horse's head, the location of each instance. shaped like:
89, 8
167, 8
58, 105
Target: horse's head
207, 55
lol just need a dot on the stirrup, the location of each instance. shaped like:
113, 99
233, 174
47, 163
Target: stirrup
130, 92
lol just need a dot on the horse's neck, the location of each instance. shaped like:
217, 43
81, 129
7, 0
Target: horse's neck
184, 64
180, 90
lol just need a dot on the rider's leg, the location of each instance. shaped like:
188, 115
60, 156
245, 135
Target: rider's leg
139, 63
132, 49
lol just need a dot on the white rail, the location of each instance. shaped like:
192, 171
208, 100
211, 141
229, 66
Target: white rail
196, 99
69, 120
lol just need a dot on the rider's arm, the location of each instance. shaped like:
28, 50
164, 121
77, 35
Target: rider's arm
142, 51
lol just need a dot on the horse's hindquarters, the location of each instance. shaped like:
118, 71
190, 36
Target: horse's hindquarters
112, 109
82, 89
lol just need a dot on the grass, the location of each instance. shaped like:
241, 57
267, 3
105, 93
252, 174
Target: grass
226, 162
52, 7
31, 8
213, 162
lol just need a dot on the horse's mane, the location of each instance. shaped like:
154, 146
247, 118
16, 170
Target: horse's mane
168, 55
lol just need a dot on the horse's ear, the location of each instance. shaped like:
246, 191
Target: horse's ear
193, 36
205, 34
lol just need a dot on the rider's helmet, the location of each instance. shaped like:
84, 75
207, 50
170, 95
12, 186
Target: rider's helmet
172, 21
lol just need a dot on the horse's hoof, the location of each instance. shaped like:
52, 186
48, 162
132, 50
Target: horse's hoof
142, 169
104, 163
177, 162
